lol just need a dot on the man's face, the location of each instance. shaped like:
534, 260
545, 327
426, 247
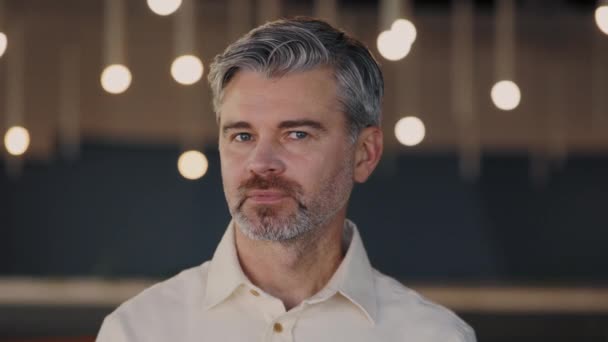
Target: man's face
287, 161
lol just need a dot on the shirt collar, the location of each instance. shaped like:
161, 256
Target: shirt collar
225, 273
353, 279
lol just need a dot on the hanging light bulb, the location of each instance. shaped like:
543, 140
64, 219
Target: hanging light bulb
116, 78
164, 7
192, 164
187, 69
601, 18
3, 43
410, 131
506, 95
405, 29
396, 43
17, 140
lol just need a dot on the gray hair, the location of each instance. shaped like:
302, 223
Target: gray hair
301, 44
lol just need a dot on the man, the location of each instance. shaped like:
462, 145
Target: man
298, 108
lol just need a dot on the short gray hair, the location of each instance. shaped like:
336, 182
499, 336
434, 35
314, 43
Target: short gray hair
300, 44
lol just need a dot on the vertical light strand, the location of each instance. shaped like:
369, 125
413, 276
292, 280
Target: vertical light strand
114, 26
327, 10
15, 96
599, 79
389, 11
183, 37
505, 93
239, 18
397, 34
410, 129
462, 90
187, 67
116, 77
504, 40
268, 10
556, 119
69, 103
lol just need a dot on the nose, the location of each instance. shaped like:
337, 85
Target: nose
265, 159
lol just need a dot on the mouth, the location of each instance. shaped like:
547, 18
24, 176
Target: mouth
266, 196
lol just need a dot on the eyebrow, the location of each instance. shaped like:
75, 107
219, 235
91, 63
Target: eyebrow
283, 125
303, 123
235, 125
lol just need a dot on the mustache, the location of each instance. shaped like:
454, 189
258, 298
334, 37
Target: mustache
256, 182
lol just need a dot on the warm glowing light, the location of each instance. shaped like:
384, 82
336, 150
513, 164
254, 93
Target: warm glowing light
116, 78
17, 140
506, 95
396, 43
164, 7
192, 164
3, 43
391, 46
410, 131
187, 69
405, 29
601, 18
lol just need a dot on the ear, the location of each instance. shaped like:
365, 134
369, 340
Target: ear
368, 152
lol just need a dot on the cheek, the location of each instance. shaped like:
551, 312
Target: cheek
230, 173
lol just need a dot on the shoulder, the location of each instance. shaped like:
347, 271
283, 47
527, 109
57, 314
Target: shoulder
165, 304
171, 293
406, 310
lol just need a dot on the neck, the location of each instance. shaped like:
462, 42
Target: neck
297, 269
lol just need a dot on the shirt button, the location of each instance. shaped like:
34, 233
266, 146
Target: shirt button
278, 327
254, 292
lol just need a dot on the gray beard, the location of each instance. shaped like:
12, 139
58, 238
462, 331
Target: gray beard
266, 223
273, 227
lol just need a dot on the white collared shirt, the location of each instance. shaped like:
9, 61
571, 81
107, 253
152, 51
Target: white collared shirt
216, 302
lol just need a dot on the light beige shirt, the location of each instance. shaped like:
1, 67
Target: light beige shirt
216, 302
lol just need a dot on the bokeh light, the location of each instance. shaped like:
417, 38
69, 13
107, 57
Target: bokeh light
3, 43
192, 164
410, 131
391, 46
187, 69
164, 7
506, 95
396, 43
17, 140
405, 29
116, 78
601, 18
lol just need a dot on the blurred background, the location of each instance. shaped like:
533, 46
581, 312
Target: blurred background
491, 198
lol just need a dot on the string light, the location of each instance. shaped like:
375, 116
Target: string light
396, 43
506, 95
192, 164
187, 69
410, 131
17, 140
164, 7
3, 43
601, 18
116, 78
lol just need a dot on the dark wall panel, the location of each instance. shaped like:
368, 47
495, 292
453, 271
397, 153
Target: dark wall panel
125, 211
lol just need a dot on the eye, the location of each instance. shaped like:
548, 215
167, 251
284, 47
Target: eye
298, 135
242, 137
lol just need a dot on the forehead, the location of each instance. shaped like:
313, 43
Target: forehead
253, 95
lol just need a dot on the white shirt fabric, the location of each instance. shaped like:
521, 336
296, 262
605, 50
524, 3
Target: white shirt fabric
216, 302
